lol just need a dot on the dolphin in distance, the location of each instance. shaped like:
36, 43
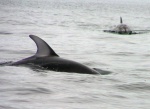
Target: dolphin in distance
124, 29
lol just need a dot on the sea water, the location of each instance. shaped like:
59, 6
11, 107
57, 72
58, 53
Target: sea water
74, 29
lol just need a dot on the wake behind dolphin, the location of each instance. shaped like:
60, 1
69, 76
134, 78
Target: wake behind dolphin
47, 58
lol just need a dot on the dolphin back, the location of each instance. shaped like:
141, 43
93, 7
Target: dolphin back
46, 57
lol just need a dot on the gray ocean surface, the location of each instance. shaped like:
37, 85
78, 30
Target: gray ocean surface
74, 29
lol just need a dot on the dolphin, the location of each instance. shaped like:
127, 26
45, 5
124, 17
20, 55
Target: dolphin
47, 58
122, 29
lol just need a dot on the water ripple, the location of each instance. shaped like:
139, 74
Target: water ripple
27, 91
6, 107
135, 87
5, 33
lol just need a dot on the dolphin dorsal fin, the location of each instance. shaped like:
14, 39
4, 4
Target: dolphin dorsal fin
43, 49
121, 20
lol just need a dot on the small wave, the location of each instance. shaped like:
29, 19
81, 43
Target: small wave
6, 107
38, 90
4, 33
135, 87
28, 91
123, 54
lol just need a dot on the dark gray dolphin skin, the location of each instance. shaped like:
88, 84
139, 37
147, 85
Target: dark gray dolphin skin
47, 58
121, 29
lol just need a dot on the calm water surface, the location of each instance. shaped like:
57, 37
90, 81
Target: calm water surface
74, 30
